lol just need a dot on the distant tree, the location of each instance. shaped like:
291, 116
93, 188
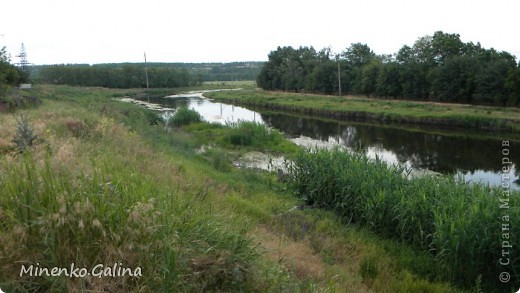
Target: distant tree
9, 74
323, 78
116, 76
422, 52
405, 55
388, 83
413, 80
512, 85
369, 74
445, 46
437, 67
455, 80
491, 83
358, 55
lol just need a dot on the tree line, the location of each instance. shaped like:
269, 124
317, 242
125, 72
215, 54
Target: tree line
439, 68
115, 76
132, 75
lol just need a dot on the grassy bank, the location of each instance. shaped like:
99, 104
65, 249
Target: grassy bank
105, 182
359, 108
458, 223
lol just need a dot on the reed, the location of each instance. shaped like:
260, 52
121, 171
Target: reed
459, 223
246, 133
184, 116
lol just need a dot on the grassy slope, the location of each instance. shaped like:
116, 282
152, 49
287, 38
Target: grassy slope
104, 186
393, 110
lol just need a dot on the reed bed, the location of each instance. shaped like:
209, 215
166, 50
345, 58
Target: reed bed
461, 224
246, 133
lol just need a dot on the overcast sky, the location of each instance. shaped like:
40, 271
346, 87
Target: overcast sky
103, 31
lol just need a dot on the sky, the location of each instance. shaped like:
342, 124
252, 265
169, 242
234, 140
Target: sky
113, 31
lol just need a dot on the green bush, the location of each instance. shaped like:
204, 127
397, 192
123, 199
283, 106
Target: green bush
184, 116
24, 136
246, 133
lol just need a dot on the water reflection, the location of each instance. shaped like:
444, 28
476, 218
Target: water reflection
210, 111
476, 157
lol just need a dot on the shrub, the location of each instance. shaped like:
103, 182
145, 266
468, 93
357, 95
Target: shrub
24, 136
246, 133
184, 116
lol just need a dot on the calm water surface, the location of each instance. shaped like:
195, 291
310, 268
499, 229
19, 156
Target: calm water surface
476, 155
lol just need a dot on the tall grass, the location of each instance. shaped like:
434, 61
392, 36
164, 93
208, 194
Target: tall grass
99, 193
247, 133
459, 223
184, 116
56, 220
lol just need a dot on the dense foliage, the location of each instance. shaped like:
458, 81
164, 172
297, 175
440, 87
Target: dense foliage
466, 226
9, 74
184, 116
439, 67
132, 75
121, 76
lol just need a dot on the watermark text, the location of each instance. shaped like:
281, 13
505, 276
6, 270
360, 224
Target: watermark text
73, 271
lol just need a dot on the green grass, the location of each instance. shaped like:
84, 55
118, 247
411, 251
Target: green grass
96, 191
460, 224
107, 183
184, 116
247, 84
377, 109
242, 136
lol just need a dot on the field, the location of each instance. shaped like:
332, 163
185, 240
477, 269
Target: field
355, 107
104, 182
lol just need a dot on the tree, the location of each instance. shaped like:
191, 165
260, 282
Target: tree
491, 83
369, 74
358, 55
9, 75
455, 80
388, 83
445, 46
435, 67
323, 78
512, 85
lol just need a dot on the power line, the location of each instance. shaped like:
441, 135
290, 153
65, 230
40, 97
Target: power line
23, 64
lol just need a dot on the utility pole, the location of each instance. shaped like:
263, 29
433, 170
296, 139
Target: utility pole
146, 71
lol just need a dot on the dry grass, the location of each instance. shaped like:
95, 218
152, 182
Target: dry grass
296, 255
307, 263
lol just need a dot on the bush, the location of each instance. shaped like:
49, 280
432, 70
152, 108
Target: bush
24, 136
184, 116
246, 133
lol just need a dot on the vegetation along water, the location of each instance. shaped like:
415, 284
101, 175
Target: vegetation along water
89, 181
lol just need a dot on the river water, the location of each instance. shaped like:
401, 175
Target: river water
477, 155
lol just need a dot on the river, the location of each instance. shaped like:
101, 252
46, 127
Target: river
476, 155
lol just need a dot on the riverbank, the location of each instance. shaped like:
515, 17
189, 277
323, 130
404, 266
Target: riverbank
382, 110
105, 182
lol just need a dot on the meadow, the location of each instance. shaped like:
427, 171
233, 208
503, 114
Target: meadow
104, 182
